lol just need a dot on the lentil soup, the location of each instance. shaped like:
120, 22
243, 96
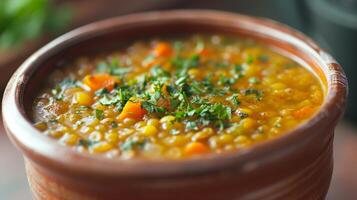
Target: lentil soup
174, 98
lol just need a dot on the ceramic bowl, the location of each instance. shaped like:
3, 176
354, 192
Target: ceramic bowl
297, 165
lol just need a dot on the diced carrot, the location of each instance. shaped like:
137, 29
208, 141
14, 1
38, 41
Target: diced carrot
162, 49
196, 148
303, 112
204, 52
99, 81
132, 110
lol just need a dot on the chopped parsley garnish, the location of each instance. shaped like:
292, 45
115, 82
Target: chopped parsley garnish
258, 93
226, 81
206, 113
152, 108
157, 71
109, 100
234, 99
114, 68
174, 92
117, 97
181, 96
186, 63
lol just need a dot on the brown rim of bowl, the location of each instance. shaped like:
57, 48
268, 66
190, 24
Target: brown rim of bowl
46, 151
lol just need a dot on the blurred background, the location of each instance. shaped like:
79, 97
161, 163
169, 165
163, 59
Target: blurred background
26, 25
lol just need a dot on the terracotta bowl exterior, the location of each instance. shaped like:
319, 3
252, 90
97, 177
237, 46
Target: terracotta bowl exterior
297, 165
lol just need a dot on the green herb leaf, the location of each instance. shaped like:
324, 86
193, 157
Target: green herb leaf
132, 144
86, 142
250, 59
108, 100
101, 92
53, 121
254, 80
158, 71
57, 92
191, 126
238, 68
234, 99
242, 115
226, 81
185, 64
99, 114
120, 71
256, 92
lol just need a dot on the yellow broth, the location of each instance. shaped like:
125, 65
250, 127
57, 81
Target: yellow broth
175, 98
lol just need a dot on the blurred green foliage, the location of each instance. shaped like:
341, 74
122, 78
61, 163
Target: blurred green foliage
21, 20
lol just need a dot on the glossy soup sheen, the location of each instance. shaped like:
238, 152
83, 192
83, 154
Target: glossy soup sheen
173, 98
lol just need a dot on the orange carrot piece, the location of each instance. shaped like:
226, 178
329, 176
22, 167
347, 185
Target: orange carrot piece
205, 52
99, 81
132, 110
196, 148
303, 112
162, 49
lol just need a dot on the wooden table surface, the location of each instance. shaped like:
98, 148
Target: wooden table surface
13, 183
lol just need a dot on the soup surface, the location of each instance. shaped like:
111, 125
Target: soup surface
174, 98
